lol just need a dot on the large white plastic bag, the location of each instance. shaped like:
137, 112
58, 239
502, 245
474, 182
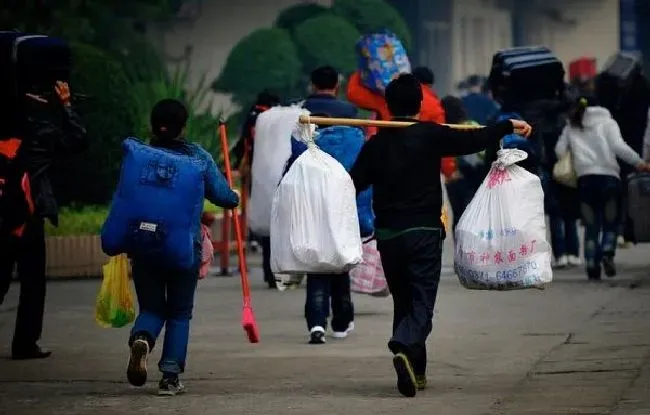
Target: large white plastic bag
314, 223
273, 130
501, 238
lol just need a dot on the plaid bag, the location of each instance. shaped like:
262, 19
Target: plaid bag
207, 251
368, 278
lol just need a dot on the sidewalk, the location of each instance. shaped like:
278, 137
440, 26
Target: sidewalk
576, 348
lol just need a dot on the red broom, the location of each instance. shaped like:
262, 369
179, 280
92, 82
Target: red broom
247, 316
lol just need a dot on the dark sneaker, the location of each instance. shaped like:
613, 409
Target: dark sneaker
27, 353
170, 387
421, 382
609, 266
317, 335
406, 383
136, 372
593, 274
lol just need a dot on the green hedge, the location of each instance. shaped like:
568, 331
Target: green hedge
88, 220
327, 40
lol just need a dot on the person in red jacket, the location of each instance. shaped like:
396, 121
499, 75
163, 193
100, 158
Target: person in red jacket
363, 97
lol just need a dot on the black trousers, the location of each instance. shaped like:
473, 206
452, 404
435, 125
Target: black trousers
265, 242
412, 264
28, 253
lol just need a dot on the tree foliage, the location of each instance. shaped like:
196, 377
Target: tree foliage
265, 59
371, 15
327, 40
293, 16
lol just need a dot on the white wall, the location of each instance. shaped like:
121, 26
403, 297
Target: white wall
479, 29
587, 28
221, 25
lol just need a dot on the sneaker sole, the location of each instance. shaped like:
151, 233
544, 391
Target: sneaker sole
136, 372
170, 393
406, 384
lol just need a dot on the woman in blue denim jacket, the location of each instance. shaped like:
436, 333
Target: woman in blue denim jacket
166, 296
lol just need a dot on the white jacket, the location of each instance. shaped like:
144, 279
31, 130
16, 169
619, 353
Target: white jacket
596, 147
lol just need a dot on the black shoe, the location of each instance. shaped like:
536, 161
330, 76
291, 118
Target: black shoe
27, 353
317, 335
609, 266
406, 382
272, 285
136, 372
593, 274
170, 386
421, 382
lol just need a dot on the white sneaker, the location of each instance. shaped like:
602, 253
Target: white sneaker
317, 335
561, 262
574, 261
343, 334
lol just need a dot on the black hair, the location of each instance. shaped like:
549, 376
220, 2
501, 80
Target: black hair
168, 119
424, 75
325, 77
475, 80
578, 112
404, 96
267, 99
455, 112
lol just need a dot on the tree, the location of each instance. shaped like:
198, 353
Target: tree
371, 15
327, 40
265, 59
91, 176
293, 16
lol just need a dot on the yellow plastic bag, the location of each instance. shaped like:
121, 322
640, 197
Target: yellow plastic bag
115, 306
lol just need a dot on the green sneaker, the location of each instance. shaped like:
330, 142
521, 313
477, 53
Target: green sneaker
406, 383
421, 382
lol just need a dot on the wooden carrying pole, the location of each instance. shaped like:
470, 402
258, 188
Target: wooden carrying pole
355, 122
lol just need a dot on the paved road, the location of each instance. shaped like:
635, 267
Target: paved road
576, 348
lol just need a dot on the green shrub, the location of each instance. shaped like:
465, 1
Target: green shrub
157, 85
293, 16
88, 220
265, 59
89, 178
371, 15
327, 40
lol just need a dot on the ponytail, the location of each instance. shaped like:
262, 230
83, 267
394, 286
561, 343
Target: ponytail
578, 113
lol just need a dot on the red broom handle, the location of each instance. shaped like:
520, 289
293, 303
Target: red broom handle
246, 292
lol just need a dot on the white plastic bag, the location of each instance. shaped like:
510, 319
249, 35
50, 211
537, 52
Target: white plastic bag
501, 238
314, 223
273, 130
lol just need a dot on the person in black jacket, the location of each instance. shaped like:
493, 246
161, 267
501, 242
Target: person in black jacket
402, 165
50, 130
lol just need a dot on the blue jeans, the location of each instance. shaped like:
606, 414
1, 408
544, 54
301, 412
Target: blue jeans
165, 298
560, 204
564, 236
323, 290
600, 208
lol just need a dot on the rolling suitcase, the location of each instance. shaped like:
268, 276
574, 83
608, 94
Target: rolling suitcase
525, 74
639, 204
620, 73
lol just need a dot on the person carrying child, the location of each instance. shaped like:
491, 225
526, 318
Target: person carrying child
401, 165
166, 295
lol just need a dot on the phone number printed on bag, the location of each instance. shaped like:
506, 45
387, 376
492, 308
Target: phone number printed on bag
499, 257
490, 234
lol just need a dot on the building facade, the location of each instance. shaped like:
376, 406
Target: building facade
455, 38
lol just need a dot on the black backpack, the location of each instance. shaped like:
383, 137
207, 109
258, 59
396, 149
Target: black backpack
28, 63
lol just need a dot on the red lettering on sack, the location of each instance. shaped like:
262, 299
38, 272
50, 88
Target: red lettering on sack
523, 251
512, 256
485, 257
497, 177
498, 258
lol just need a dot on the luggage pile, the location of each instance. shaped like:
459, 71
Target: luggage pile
526, 74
